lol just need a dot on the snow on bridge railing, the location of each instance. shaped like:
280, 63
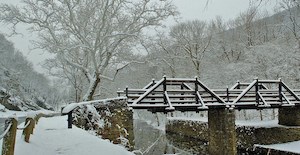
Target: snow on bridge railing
192, 93
67, 109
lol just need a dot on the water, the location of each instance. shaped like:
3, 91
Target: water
151, 141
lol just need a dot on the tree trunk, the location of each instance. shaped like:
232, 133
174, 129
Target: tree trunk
92, 88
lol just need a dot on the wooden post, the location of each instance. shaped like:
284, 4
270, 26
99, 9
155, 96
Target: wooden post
280, 90
238, 86
256, 91
196, 89
118, 92
126, 91
9, 139
29, 129
37, 117
165, 89
153, 82
165, 83
227, 92
33, 125
70, 120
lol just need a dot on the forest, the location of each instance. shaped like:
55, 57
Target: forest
104, 46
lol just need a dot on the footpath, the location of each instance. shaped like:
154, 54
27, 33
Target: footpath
52, 137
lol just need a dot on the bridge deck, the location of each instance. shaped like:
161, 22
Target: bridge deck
181, 94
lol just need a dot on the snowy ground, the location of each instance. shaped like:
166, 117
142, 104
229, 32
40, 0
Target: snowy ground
288, 147
9, 113
51, 137
253, 123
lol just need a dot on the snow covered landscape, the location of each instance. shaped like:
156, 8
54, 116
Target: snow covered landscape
52, 136
150, 77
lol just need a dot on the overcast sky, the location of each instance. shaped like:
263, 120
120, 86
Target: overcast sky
189, 9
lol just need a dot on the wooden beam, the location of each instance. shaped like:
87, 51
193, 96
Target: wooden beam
210, 92
287, 100
170, 107
269, 81
265, 104
148, 91
244, 92
290, 91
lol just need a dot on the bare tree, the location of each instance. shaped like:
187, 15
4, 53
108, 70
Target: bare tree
193, 38
88, 34
226, 40
247, 21
292, 7
164, 52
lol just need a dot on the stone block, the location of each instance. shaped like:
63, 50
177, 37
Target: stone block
222, 135
289, 116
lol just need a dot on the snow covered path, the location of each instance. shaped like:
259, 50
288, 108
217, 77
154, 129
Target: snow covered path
51, 137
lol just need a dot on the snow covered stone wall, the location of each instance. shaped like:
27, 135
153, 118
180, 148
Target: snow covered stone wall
110, 119
188, 128
191, 135
248, 133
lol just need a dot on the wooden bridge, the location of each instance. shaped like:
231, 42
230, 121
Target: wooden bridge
169, 94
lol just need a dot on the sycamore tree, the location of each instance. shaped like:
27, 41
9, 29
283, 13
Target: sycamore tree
87, 35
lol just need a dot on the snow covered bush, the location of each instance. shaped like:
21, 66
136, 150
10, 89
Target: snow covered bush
86, 117
109, 119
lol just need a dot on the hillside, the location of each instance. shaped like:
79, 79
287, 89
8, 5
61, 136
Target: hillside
21, 87
241, 49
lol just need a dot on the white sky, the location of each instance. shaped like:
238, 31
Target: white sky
206, 10
189, 9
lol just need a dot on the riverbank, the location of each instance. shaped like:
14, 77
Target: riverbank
51, 136
251, 135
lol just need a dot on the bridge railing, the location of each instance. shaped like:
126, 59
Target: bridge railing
10, 132
9, 136
193, 93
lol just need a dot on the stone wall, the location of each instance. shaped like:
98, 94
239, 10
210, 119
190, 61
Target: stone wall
222, 137
289, 116
188, 128
246, 136
110, 119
